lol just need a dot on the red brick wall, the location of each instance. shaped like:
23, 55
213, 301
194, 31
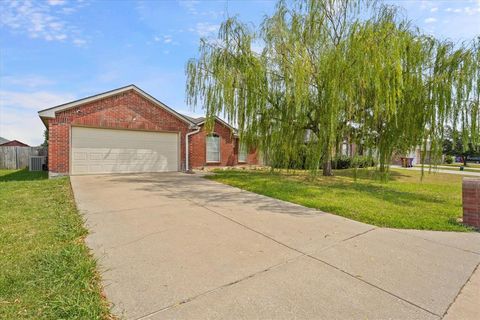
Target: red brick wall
228, 148
127, 110
252, 157
471, 201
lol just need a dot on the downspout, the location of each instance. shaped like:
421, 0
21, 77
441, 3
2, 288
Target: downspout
186, 147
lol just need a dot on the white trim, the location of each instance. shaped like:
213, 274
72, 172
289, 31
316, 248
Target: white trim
179, 153
50, 112
216, 135
186, 147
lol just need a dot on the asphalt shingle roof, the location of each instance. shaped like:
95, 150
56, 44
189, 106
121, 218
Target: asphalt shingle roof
194, 120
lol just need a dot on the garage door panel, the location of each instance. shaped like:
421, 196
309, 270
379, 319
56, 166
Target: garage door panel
80, 155
116, 151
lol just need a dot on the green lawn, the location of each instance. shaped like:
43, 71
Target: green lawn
406, 201
46, 270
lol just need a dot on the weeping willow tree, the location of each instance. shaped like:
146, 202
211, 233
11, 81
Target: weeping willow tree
336, 70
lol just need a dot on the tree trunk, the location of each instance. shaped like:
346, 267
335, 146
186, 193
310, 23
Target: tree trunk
464, 158
382, 167
327, 166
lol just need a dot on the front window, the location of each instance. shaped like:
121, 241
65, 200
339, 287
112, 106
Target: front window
242, 153
213, 148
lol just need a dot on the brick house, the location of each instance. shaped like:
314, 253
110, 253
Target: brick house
128, 130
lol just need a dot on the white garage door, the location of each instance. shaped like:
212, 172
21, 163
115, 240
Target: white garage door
117, 151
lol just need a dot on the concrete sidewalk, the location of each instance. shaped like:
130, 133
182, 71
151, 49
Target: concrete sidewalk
180, 246
440, 170
458, 168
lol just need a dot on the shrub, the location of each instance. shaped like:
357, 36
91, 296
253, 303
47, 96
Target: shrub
345, 162
341, 162
363, 162
448, 159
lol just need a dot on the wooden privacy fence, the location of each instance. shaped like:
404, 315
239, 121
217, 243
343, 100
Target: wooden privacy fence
18, 157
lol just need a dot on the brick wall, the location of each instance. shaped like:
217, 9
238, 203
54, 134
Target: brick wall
252, 157
471, 201
228, 148
127, 110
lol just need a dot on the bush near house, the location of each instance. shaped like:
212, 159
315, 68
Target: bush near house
338, 162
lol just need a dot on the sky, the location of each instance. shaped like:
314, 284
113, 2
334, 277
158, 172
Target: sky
56, 51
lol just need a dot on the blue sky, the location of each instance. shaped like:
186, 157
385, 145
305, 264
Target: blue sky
56, 51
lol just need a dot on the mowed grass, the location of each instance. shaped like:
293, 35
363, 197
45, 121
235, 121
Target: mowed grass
46, 271
406, 201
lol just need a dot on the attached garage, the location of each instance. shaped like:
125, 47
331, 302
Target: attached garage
98, 150
120, 131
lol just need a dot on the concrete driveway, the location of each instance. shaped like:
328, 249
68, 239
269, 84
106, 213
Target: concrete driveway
177, 246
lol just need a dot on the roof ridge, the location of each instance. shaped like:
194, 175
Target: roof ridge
50, 112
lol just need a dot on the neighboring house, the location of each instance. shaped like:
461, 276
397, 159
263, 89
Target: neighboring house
13, 143
3, 140
415, 154
128, 130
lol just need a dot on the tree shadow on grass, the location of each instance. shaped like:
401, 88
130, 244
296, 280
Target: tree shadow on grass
22, 175
369, 174
403, 198
372, 175
302, 186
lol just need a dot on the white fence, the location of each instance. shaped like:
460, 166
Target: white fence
18, 157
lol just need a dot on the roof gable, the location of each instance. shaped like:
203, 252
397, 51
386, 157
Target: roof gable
200, 121
50, 112
14, 143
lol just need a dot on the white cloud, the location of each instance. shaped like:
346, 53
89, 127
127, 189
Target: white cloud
190, 6
167, 39
205, 29
40, 20
471, 11
31, 81
18, 113
430, 20
23, 126
79, 42
434, 9
32, 100
56, 2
